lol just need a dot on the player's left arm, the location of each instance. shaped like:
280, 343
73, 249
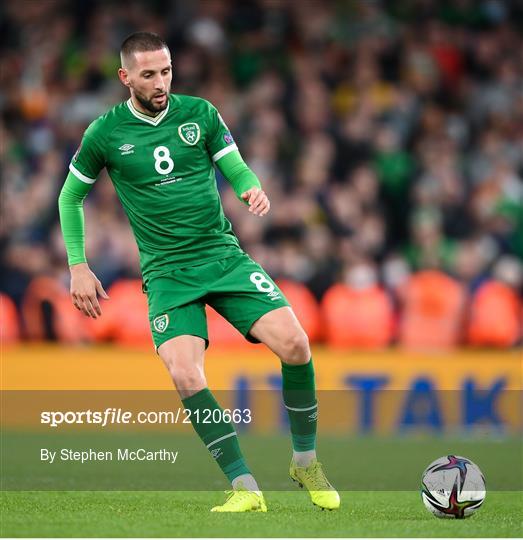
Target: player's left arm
245, 183
224, 152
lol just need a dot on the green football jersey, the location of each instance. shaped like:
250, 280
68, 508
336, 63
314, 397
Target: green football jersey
162, 169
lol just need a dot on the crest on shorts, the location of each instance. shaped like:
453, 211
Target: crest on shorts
161, 323
189, 133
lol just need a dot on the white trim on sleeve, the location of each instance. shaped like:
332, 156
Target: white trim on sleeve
224, 152
81, 176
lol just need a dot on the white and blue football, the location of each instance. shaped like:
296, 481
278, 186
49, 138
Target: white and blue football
453, 487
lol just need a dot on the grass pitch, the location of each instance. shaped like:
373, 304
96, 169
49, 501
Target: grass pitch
186, 514
358, 464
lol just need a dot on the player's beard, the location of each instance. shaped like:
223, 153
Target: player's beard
148, 103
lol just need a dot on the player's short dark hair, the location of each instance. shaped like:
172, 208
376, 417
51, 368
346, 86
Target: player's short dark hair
141, 42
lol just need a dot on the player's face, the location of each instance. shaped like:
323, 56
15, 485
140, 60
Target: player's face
148, 75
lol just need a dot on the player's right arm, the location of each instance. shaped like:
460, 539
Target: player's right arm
84, 168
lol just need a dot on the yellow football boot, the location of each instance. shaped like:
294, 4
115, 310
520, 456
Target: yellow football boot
241, 500
314, 480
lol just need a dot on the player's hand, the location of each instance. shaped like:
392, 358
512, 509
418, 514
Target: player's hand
258, 201
84, 289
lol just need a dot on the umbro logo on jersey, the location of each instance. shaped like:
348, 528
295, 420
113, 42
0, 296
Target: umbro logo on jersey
313, 416
126, 149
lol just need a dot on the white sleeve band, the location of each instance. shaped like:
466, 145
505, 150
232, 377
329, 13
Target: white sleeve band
81, 176
224, 152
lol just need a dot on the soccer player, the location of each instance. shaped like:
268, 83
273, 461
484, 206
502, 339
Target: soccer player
160, 150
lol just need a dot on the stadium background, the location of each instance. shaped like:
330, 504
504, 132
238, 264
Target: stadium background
389, 137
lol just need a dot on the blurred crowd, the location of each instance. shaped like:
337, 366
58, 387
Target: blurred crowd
388, 135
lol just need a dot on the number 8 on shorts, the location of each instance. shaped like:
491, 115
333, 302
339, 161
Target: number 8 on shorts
261, 282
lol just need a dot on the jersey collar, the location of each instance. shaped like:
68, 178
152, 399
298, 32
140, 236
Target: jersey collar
153, 120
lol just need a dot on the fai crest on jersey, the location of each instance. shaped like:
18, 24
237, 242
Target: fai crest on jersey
189, 133
161, 323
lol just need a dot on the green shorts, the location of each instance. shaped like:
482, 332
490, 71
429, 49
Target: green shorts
237, 287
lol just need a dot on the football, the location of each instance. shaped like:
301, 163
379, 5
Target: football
453, 487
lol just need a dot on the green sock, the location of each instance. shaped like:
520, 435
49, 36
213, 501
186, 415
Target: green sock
299, 397
219, 436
